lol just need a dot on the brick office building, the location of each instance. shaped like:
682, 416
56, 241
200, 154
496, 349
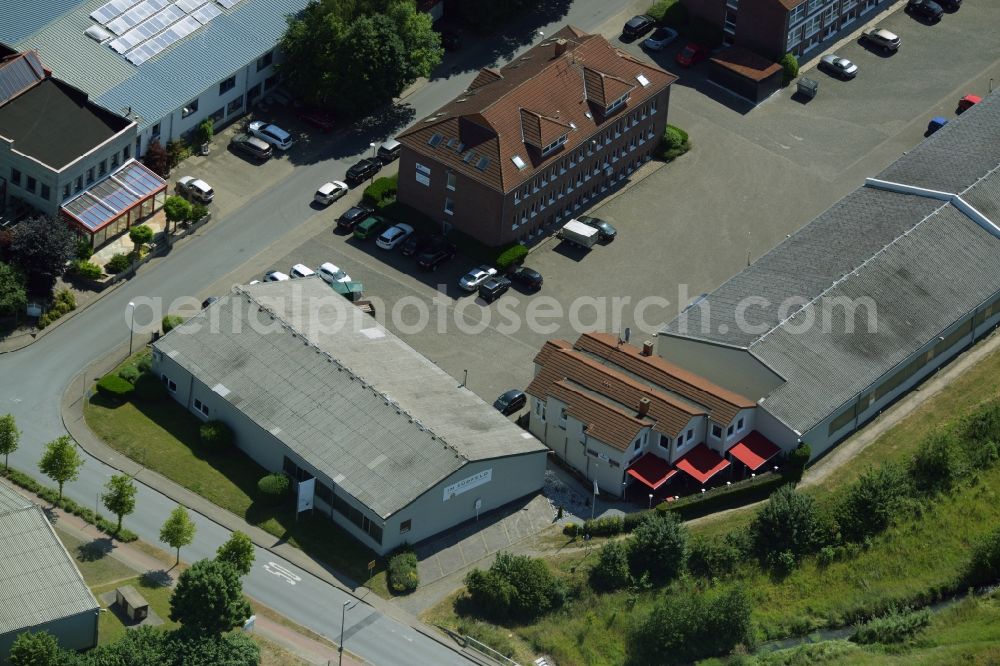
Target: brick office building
528, 144
775, 27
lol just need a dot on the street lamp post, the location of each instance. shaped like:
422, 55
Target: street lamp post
650, 500
131, 325
340, 647
373, 146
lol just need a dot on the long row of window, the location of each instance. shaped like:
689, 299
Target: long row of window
99, 170
334, 501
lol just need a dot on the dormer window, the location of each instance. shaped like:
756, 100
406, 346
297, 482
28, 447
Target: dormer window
616, 104
561, 141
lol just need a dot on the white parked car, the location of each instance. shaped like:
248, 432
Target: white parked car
330, 192
393, 236
273, 134
471, 280
301, 271
332, 273
275, 276
196, 188
839, 67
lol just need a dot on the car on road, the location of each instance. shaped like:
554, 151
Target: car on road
936, 123
436, 253
330, 192
318, 118
196, 188
660, 39
883, 39
471, 280
273, 134
528, 278
840, 67
927, 9
363, 170
511, 402
393, 236
968, 102
301, 271
251, 147
370, 226
208, 301
493, 288
637, 26
605, 232
332, 273
352, 216
691, 54
275, 276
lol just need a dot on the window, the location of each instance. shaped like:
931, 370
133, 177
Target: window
690, 435
422, 174
46, 193
555, 144
155, 131
235, 105
540, 409
664, 442
15, 176
739, 424
125, 154
451, 180
729, 431
31, 184
716, 431
189, 108
562, 418
270, 82
405, 526
636, 446
169, 383
449, 206
265, 60
102, 168
114, 160
616, 104
227, 85
200, 406
78, 184
90, 175
65, 191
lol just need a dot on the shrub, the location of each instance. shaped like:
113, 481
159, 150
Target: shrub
606, 526
118, 263
156, 159
895, 626
984, 564
129, 373
870, 503
511, 256
798, 458
204, 132
198, 211
274, 487
382, 191
715, 557
114, 386
84, 250
402, 572
144, 362
216, 435
659, 547
177, 152
571, 529
148, 388
934, 466
611, 571
675, 142
669, 12
170, 322
515, 587
176, 209
788, 523
790, 65
87, 269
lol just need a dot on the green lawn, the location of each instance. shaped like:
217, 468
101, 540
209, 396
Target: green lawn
909, 562
163, 436
111, 628
93, 559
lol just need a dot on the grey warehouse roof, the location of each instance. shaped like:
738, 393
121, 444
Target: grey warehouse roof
358, 404
39, 582
11, 500
55, 28
925, 257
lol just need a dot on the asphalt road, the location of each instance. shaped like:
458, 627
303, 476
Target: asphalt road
32, 380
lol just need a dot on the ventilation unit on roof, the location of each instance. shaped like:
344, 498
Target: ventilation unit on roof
518, 162
435, 140
97, 33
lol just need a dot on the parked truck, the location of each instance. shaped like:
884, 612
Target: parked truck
578, 233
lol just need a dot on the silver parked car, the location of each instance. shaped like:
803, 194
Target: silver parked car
882, 38
660, 39
839, 67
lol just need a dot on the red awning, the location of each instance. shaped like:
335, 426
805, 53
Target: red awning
653, 471
701, 463
754, 450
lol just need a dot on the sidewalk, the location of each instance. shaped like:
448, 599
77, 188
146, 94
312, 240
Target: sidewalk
147, 558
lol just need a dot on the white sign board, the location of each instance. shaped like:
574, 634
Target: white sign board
469, 483
306, 490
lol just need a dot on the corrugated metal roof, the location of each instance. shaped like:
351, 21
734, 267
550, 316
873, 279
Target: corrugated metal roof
23, 18
39, 581
19, 73
167, 81
356, 403
11, 500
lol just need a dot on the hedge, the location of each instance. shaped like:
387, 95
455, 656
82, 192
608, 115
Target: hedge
87, 269
114, 386
51, 496
216, 435
675, 142
382, 191
118, 263
273, 488
403, 575
511, 256
129, 373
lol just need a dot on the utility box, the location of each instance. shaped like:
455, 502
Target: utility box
132, 603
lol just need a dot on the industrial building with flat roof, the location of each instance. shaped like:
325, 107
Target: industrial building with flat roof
398, 449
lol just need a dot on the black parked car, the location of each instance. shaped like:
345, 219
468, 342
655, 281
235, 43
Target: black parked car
950, 5
352, 216
928, 9
436, 254
363, 170
493, 288
637, 26
417, 243
511, 402
528, 278
605, 232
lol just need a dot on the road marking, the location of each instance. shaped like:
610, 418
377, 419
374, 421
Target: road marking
282, 572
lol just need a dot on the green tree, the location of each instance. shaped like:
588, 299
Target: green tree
140, 234
176, 209
238, 552
798, 458
35, 649
41, 248
156, 159
984, 565
186, 648
13, 297
119, 497
870, 503
659, 547
935, 466
790, 65
178, 530
204, 132
373, 47
786, 528
515, 587
61, 462
208, 599
10, 436
611, 571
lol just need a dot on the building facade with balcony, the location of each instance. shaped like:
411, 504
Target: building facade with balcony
529, 144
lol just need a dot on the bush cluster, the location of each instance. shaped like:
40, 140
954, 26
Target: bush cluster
273, 488
64, 302
612, 569
511, 256
114, 386
216, 436
382, 191
790, 66
87, 269
675, 143
895, 626
402, 572
515, 588
669, 12
198, 211
984, 564
170, 322
118, 263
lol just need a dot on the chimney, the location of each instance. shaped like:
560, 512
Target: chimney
643, 407
647, 348
560, 47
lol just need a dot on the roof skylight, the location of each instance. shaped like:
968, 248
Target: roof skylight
518, 162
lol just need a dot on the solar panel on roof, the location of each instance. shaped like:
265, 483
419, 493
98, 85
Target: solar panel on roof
135, 16
206, 13
190, 5
110, 10
228, 4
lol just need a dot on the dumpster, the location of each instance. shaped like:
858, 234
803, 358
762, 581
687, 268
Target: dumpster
807, 87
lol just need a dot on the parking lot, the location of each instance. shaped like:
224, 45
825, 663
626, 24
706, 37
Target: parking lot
753, 176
